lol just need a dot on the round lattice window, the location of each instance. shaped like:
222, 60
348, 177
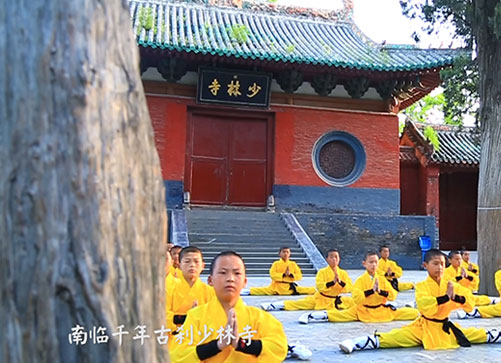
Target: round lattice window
338, 158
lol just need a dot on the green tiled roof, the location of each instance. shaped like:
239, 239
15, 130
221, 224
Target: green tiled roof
459, 146
231, 32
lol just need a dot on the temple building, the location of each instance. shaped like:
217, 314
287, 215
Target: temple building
256, 105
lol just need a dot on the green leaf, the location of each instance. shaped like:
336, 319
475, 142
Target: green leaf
431, 135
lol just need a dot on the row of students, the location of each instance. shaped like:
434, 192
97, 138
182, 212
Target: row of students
370, 294
210, 322
436, 297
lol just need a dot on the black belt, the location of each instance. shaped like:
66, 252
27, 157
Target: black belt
292, 286
337, 297
383, 305
394, 284
447, 326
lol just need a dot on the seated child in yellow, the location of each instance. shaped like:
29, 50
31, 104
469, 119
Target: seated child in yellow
176, 271
170, 280
331, 281
492, 310
226, 329
391, 271
456, 273
470, 266
188, 291
370, 294
436, 297
284, 273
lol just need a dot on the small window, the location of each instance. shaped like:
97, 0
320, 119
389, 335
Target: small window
338, 158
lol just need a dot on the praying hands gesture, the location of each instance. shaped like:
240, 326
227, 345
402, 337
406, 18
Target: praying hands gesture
336, 277
287, 272
464, 274
388, 272
231, 331
376, 285
450, 290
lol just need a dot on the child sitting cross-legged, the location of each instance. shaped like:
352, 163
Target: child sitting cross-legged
436, 297
370, 294
226, 329
331, 281
284, 274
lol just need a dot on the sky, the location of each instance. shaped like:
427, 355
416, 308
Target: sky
379, 20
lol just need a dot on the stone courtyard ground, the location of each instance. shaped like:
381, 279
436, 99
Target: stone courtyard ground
323, 338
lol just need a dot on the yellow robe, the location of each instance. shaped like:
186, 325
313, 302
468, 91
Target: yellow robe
176, 272
202, 319
170, 282
382, 268
493, 310
475, 271
372, 309
181, 297
325, 297
428, 333
451, 273
280, 285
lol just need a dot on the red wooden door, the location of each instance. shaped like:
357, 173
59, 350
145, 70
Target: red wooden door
227, 160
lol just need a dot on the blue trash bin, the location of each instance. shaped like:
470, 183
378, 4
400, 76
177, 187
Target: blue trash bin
425, 245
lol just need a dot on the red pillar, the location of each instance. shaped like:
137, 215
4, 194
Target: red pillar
430, 190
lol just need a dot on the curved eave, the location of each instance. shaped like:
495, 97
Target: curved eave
297, 59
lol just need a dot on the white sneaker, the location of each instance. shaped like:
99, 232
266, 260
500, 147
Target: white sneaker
493, 336
459, 314
495, 300
272, 307
314, 317
475, 314
245, 292
347, 346
367, 342
300, 352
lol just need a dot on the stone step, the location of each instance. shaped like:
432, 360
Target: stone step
266, 272
244, 240
270, 250
268, 259
236, 234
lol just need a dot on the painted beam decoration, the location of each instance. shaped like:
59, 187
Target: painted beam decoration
233, 87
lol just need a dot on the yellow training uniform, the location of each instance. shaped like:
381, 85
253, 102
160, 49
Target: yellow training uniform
474, 269
202, 325
281, 285
170, 282
181, 297
492, 310
429, 333
370, 306
327, 295
176, 272
396, 273
470, 282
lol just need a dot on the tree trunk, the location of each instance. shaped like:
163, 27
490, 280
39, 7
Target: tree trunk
489, 186
81, 193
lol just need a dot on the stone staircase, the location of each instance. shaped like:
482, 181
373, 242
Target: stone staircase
255, 235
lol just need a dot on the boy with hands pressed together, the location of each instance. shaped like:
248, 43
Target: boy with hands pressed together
436, 297
226, 329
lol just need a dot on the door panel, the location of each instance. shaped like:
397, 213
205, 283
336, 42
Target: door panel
247, 163
208, 162
227, 160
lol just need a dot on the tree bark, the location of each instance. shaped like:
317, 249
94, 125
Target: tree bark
81, 194
489, 186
